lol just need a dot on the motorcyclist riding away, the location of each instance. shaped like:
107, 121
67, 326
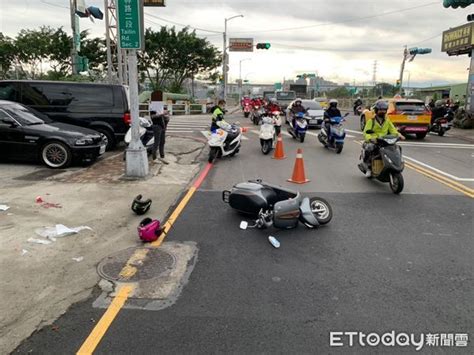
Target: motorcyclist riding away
295, 109
439, 111
377, 127
217, 115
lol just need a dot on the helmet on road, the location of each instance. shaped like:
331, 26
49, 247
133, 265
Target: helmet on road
140, 207
149, 230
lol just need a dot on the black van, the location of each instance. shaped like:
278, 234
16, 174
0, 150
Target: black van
102, 107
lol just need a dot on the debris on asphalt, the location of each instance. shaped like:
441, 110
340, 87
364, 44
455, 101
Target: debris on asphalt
78, 259
39, 199
23, 252
244, 225
4, 207
38, 241
51, 205
273, 241
59, 231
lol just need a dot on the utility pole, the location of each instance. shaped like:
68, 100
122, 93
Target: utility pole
374, 77
72, 7
225, 60
402, 69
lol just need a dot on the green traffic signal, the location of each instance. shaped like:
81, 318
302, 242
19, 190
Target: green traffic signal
263, 45
457, 3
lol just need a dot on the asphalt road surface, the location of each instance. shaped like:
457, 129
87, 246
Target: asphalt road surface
385, 262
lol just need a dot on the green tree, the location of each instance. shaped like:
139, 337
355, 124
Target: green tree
7, 57
171, 57
339, 92
38, 50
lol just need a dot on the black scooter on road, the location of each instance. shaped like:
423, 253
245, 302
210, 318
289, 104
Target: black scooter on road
387, 163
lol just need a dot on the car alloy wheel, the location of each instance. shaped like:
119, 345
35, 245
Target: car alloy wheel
56, 155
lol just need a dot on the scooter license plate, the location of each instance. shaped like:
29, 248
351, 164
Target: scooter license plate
444, 125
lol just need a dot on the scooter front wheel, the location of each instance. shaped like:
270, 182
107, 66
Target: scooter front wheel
212, 155
339, 147
396, 182
321, 209
302, 137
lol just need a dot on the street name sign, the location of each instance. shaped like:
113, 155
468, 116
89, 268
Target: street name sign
130, 24
240, 44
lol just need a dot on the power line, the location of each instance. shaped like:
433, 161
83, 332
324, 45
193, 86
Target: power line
54, 5
343, 21
183, 25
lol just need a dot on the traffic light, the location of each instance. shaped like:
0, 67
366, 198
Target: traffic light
457, 3
263, 45
416, 50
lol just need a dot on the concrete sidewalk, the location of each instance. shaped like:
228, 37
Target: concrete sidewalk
39, 282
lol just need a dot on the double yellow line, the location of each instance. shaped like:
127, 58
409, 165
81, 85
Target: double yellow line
441, 179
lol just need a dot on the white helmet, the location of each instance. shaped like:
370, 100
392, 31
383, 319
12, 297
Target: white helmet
333, 101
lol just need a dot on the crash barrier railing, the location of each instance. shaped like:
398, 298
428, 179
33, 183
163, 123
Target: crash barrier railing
177, 109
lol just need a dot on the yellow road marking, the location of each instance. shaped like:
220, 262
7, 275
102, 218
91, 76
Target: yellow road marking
99, 330
174, 216
129, 269
448, 182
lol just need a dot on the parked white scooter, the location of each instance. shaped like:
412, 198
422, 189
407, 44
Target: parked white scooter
225, 141
146, 134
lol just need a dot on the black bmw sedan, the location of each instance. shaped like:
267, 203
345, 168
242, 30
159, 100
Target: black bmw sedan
26, 134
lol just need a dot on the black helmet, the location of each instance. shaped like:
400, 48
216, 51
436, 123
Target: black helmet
381, 105
140, 207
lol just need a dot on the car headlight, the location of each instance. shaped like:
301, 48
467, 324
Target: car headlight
84, 141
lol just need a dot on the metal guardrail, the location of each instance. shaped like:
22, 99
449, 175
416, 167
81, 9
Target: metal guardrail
177, 109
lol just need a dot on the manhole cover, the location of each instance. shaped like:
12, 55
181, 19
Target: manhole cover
152, 263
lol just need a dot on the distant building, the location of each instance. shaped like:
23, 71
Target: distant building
455, 92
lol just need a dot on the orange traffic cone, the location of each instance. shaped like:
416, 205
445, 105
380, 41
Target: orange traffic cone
279, 153
298, 171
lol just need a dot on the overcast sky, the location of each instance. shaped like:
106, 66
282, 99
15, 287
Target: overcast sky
337, 39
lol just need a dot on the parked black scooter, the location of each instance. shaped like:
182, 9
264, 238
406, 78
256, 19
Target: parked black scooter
277, 206
387, 163
441, 125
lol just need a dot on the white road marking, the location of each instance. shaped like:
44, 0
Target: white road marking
178, 131
356, 132
437, 145
437, 170
316, 134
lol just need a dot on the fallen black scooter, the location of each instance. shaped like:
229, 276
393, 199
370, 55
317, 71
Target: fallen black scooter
276, 206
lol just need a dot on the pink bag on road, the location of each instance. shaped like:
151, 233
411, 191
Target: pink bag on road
149, 230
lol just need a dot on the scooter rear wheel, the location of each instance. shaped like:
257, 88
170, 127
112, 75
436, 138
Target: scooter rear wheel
321, 209
266, 147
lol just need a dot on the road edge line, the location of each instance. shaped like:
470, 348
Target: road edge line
105, 321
